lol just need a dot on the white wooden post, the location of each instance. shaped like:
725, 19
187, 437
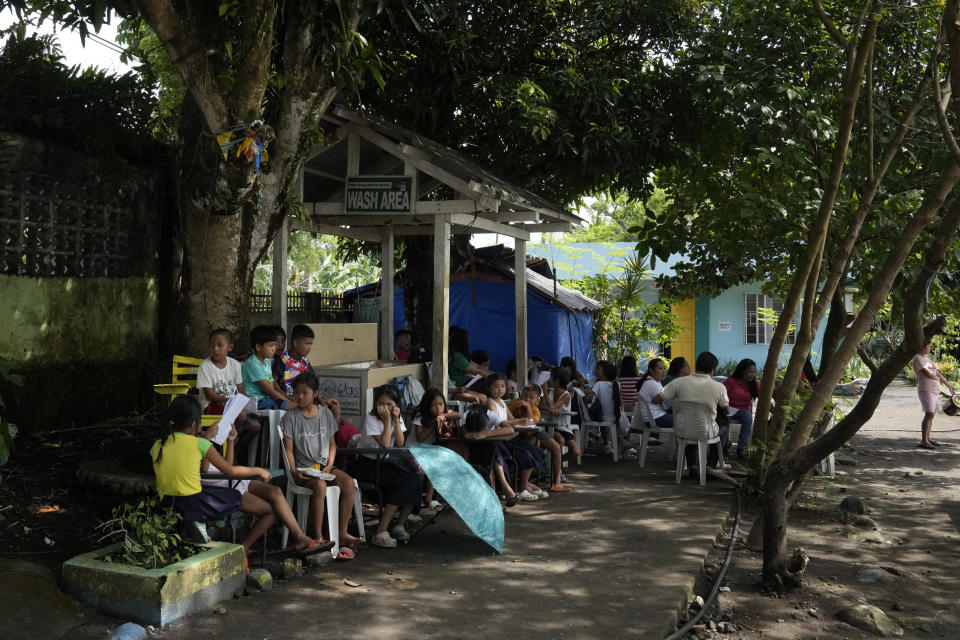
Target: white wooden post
441, 301
386, 294
520, 300
280, 276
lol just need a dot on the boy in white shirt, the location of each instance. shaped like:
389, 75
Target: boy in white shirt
219, 377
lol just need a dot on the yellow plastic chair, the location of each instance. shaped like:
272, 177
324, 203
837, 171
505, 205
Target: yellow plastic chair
183, 378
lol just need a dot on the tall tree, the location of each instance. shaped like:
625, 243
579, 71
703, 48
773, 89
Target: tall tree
556, 95
809, 131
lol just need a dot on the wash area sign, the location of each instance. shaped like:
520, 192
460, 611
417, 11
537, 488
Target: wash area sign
379, 194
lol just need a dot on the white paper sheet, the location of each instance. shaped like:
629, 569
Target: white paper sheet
231, 410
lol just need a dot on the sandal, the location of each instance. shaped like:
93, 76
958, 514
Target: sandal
511, 501
926, 445
559, 488
934, 442
384, 541
540, 493
400, 533
315, 546
345, 553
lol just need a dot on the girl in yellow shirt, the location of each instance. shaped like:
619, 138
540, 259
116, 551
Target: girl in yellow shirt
176, 463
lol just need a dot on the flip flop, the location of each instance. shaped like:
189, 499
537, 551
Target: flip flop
315, 546
934, 443
925, 445
559, 488
345, 553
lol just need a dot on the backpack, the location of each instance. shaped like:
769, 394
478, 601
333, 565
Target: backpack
411, 391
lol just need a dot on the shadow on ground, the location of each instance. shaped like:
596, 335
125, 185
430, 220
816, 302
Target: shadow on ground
615, 558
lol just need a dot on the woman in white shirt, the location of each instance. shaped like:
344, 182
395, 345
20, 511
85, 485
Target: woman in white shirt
608, 396
649, 387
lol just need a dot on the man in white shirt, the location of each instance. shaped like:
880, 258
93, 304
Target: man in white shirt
700, 387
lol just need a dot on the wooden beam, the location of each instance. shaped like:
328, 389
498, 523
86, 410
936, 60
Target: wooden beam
323, 174
375, 219
488, 226
314, 226
386, 295
520, 314
515, 216
279, 291
450, 206
353, 153
441, 302
547, 227
410, 170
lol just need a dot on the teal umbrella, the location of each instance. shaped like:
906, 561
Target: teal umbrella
464, 490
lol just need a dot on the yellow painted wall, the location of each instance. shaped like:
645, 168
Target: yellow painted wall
685, 342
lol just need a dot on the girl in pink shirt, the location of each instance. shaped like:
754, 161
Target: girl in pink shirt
742, 390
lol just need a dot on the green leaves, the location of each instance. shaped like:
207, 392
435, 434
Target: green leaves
148, 535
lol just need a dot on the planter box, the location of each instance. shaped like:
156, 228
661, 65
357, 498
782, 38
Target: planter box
156, 596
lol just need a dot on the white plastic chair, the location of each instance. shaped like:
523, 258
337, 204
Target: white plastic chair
643, 423
694, 422
299, 499
586, 424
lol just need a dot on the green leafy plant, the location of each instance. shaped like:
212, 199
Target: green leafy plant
148, 535
625, 323
8, 430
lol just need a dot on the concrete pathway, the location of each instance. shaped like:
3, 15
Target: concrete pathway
613, 559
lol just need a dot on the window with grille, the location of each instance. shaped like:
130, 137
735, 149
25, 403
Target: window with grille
755, 329
53, 226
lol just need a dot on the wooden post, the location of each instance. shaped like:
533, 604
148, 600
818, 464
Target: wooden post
353, 155
441, 301
386, 294
280, 276
520, 300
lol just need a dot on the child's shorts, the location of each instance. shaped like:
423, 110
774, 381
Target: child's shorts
212, 503
268, 404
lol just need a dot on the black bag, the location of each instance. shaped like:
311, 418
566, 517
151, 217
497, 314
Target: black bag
595, 411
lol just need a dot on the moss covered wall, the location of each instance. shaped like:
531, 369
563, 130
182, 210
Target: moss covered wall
77, 319
85, 343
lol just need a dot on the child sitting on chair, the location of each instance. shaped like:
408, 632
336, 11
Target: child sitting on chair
257, 371
432, 422
308, 443
219, 377
526, 455
295, 360
177, 457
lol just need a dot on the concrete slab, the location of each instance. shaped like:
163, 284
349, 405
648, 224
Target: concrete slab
615, 558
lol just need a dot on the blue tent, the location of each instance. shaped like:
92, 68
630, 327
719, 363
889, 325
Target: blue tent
553, 331
559, 320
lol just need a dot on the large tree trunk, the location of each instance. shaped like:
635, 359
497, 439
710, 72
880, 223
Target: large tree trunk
229, 212
418, 289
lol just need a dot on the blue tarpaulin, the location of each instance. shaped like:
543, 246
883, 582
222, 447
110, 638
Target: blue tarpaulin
552, 331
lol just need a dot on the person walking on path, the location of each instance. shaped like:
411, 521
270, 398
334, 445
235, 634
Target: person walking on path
928, 388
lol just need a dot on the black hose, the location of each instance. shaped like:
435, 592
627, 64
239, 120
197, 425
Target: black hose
682, 631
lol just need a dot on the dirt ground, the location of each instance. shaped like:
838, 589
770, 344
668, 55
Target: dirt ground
911, 494
47, 515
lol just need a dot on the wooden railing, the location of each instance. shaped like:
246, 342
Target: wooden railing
314, 302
